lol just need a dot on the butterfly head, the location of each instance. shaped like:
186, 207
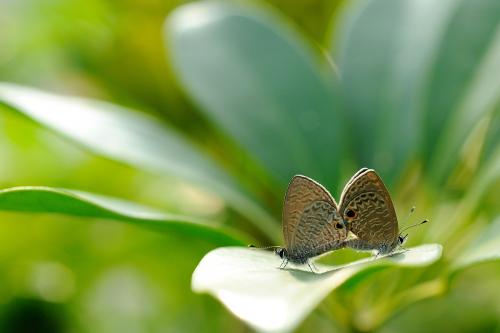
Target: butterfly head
281, 252
402, 239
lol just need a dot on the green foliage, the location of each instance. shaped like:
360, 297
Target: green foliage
284, 99
407, 87
404, 79
484, 248
81, 204
128, 137
250, 284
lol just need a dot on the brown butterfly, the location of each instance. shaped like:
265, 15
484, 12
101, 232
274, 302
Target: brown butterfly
367, 210
313, 225
311, 222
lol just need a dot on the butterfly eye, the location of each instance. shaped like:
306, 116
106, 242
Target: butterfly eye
339, 226
350, 213
280, 252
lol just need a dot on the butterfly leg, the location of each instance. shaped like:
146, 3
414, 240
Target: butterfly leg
403, 248
314, 266
283, 263
311, 265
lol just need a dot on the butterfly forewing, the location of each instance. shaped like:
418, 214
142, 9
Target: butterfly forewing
309, 217
353, 178
366, 205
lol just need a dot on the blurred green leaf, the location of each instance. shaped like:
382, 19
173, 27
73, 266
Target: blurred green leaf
416, 87
485, 248
485, 180
258, 79
132, 138
250, 284
32, 199
463, 81
382, 48
492, 139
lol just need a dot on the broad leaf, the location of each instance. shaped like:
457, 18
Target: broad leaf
382, 49
463, 84
259, 80
417, 76
132, 138
250, 284
485, 248
31, 199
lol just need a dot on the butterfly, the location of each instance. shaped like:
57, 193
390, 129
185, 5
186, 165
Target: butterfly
312, 224
368, 212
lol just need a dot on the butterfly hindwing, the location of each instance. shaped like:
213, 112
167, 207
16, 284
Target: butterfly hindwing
310, 218
366, 206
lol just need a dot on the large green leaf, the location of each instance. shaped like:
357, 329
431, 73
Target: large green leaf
485, 248
31, 199
463, 81
133, 138
382, 49
263, 84
417, 76
250, 284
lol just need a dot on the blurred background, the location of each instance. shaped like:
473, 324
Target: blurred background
409, 88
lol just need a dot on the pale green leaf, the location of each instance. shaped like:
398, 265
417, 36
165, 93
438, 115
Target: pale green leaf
250, 284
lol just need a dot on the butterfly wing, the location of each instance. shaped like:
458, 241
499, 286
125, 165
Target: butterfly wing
310, 217
366, 205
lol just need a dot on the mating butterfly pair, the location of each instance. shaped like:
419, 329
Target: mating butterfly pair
314, 224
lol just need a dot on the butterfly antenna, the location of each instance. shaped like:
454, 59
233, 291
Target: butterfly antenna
414, 225
412, 209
